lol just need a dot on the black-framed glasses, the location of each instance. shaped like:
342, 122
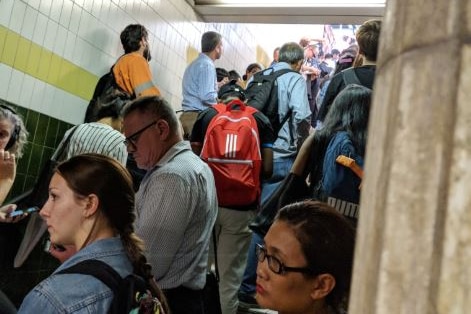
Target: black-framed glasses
133, 138
275, 265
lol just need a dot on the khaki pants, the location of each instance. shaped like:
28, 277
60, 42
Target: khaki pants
233, 239
187, 120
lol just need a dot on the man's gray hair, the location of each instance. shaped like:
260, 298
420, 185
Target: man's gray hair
209, 41
291, 53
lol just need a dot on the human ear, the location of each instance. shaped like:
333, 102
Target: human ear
163, 129
323, 284
91, 205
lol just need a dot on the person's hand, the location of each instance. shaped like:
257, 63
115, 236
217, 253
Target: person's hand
62, 252
7, 166
5, 210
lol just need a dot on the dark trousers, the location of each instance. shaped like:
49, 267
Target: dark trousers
183, 300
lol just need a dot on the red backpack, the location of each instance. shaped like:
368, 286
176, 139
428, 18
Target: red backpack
231, 148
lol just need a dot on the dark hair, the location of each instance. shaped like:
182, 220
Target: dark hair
349, 112
231, 90
209, 41
327, 241
345, 61
155, 106
234, 75
367, 37
250, 68
335, 51
291, 53
131, 37
116, 202
18, 134
221, 74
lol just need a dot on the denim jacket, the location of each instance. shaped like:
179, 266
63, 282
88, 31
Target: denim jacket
76, 293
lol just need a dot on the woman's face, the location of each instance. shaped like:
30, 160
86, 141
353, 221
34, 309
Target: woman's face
5, 132
63, 213
288, 292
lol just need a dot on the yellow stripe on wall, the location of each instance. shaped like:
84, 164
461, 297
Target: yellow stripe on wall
41, 63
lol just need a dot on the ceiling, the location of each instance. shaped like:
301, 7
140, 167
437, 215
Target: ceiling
288, 12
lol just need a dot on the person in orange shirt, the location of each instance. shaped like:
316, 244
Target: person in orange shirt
131, 71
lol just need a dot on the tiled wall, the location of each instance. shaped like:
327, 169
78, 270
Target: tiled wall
52, 52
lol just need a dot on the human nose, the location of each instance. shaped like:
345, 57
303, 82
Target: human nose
262, 269
45, 210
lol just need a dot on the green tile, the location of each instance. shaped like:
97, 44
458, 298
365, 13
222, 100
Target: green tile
22, 166
35, 160
18, 185
31, 121
41, 130
50, 140
29, 182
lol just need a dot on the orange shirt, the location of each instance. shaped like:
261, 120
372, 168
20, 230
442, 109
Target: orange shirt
132, 74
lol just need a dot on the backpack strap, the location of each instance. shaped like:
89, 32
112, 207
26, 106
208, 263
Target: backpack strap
350, 77
98, 269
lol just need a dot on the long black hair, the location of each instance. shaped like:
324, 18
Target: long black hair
349, 112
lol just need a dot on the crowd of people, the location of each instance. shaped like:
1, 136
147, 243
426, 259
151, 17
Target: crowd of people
159, 222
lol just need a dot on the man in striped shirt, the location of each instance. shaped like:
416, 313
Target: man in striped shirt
176, 204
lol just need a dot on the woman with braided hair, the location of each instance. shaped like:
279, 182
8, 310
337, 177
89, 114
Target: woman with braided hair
91, 206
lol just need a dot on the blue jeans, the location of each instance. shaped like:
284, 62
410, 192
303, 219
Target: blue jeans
281, 168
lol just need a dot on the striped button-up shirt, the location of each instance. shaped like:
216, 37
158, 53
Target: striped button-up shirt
176, 209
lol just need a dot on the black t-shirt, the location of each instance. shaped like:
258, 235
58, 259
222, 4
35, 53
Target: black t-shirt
366, 75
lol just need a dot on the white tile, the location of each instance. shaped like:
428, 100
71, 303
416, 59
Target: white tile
45, 7
40, 29
75, 19
26, 91
17, 16
69, 45
78, 51
37, 102
85, 20
66, 13
6, 6
60, 42
56, 10
96, 9
33, 3
88, 5
80, 2
5, 75
15, 86
50, 37
29, 23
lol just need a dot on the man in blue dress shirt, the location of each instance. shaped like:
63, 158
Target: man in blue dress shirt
199, 83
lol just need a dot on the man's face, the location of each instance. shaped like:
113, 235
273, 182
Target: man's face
143, 139
146, 52
219, 49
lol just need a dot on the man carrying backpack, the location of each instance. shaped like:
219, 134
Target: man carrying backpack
294, 116
131, 71
236, 141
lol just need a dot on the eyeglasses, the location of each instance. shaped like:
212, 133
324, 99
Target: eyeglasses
132, 139
275, 265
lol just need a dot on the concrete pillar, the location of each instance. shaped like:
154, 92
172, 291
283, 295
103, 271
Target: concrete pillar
413, 251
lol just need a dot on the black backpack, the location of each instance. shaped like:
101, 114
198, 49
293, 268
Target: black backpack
131, 294
262, 94
106, 91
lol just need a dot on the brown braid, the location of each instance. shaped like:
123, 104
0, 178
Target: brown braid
134, 247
